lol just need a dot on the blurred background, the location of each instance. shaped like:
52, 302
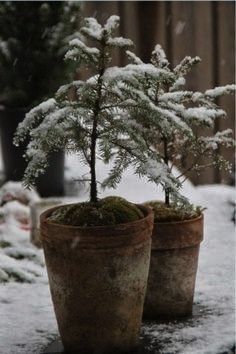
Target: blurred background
33, 40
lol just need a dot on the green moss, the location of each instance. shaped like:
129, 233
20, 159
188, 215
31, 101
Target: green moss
4, 244
165, 213
107, 211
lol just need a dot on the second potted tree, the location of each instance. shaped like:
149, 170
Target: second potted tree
165, 119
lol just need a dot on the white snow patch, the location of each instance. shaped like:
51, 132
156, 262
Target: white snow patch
16, 191
221, 90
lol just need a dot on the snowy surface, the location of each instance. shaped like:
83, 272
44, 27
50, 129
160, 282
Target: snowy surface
27, 321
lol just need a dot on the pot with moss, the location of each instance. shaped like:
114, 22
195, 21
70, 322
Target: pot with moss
98, 268
165, 120
98, 252
176, 242
29, 56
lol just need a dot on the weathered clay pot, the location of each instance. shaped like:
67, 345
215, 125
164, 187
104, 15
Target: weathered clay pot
98, 278
173, 269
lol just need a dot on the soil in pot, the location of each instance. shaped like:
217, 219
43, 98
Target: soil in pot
174, 260
49, 184
98, 273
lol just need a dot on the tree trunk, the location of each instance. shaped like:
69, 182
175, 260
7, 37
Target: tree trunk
166, 161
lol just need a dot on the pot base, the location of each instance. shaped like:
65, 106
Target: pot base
56, 347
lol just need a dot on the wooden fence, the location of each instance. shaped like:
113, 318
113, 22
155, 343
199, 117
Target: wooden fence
203, 28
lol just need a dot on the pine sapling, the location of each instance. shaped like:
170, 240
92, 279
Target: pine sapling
168, 117
86, 116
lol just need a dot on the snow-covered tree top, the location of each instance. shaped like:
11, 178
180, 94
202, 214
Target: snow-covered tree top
139, 114
102, 36
170, 114
159, 57
89, 116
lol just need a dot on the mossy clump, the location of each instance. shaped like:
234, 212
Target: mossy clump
4, 244
107, 211
169, 213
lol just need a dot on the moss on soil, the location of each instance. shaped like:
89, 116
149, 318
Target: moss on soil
107, 211
165, 213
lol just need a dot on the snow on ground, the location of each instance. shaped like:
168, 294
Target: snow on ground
27, 321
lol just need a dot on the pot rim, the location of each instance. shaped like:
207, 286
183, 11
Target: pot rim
188, 221
46, 213
180, 234
99, 237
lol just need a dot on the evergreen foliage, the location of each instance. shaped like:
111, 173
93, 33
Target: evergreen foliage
90, 120
167, 119
32, 45
138, 115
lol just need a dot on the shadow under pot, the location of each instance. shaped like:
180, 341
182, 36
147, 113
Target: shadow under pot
49, 184
98, 277
173, 269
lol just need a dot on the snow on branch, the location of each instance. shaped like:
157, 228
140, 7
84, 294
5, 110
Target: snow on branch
179, 82
186, 65
112, 23
203, 114
134, 72
81, 52
65, 89
133, 58
33, 118
178, 96
220, 138
220, 90
80, 45
158, 57
119, 42
92, 29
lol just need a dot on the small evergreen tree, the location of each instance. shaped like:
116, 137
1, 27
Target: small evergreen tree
32, 45
167, 118
137, 115
85, 116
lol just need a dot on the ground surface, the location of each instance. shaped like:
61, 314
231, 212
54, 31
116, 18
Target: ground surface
27, 321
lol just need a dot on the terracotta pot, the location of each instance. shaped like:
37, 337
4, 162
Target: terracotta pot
173, 269
98, 278
51, 183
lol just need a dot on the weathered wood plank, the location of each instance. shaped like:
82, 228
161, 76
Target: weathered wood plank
147, 10
191, 24
226, 71
130, 26
101, 10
